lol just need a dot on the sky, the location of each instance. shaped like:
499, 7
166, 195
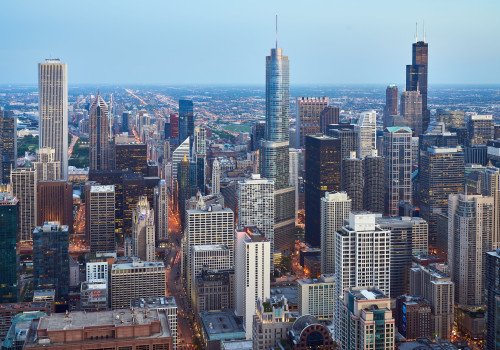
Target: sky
176, 42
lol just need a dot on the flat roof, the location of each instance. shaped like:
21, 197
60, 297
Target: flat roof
367, 294
105, 188
209, 247
136, 264
154, 302
215, 323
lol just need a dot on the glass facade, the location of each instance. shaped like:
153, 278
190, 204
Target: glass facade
186, 120
9, 207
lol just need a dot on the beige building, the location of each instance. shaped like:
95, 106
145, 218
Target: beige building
23, 186
317, 297
308, 117
46, 167
143, 231
100, 218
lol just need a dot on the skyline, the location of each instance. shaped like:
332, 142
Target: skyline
225, 43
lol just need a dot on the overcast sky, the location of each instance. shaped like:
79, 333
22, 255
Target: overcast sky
224, 42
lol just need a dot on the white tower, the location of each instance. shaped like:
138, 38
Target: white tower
215, 177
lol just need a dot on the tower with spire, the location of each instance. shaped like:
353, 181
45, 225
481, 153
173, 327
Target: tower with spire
99, 144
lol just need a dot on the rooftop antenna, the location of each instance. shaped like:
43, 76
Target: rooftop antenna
416, 32
423, 30
276, 31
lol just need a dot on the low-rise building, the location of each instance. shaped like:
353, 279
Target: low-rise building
220, 326
317, 297
10, 310
94, 295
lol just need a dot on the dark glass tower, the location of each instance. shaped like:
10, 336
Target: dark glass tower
416, 77
8, 144
492, 293
99, 153
323, 166
391, 103
9, 210
186, 120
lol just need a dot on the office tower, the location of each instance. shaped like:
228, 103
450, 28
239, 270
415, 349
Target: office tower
434, 284
329, 115
9, 212
136, 279
200, 155
178, 154
257, 133
316, 297
50, 259
126, 121
46, 167
374, 187
335, 208
275, 147
295, 157
353, 180
391, 104
186, 185
100, 218
348, 136
323, 165
452, 118
143, 231
186, 120
366, 320
362, 257
23, 186
271, 323
411, 111
174, 126
215, 177
408, 238
490, 186
308, 117
53, 108
131, 155
441, 173
214, 257
161, 211
470, 236
94, 296
416, 80
214, 290
8, 144
436, 135
367, 133
252, 273
210, 225
99, 144
413, 317
55, 203
492, 294
480, 129
398, 162
256, 206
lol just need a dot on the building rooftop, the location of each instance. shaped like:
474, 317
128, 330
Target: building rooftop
237, 345
209, 247
107, 188
154, 303
362, 293
218, 323
24, 306
7, 199
327, 278
289, 292
137, 263
44, 294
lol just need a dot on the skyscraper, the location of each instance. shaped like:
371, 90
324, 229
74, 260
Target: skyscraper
215, 177
295, 163
492, 293
23, 186
274, 148
323, 165
335, 208
480, 129
8, 144
329, 115
397, 152
100, 218
353, 180
374, 188
200, 155
55, 203
416, 80
46, 167
391, 104
186, 120
367, 133
161, 211
53, 107
411, 111
99, 143
143, 231
452, 118
258, 132
9, 211
307, 122
348, 135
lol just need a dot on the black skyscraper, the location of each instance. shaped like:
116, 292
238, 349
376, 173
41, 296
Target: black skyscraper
186, 120
416, 77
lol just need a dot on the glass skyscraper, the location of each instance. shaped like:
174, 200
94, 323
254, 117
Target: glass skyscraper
9, 210
186, 120
416, 78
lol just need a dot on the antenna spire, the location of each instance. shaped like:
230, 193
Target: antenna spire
423, 30
416, 32
276, 31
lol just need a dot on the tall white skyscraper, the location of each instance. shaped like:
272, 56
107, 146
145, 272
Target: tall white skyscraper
23, 184
362, 257
177, 156
470, 237
335, 208
252, 273
53, 108
367, 133
100, 218
215, 177
46, 167
161, 211
295, 155
256, 205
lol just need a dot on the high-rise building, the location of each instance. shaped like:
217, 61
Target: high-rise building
492, 294
100, 218
8, 144
490, 186
323, 166
391, 104
374, 186
416, 80
274, 148
329, 115
50, 259
348, 135
143, 231
186, 120
257, 133
9, 212
436, 135
411, 111
53, 108
23, 186
161, 211
452, 118
434, 284
47, 169
362, 258
214, 290
408, 238
308, 117
295, 170
174, 126
366, 320
441, 173
398, 165
131, 155
252, 273
470, 236
335, 208
215, 177
316, 297
99, 143
480, 129
126, 121
178, 154
353, 180
367, 133
55, 203
200, 155
413, 317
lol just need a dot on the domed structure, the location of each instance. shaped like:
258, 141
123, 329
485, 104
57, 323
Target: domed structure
308, 333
